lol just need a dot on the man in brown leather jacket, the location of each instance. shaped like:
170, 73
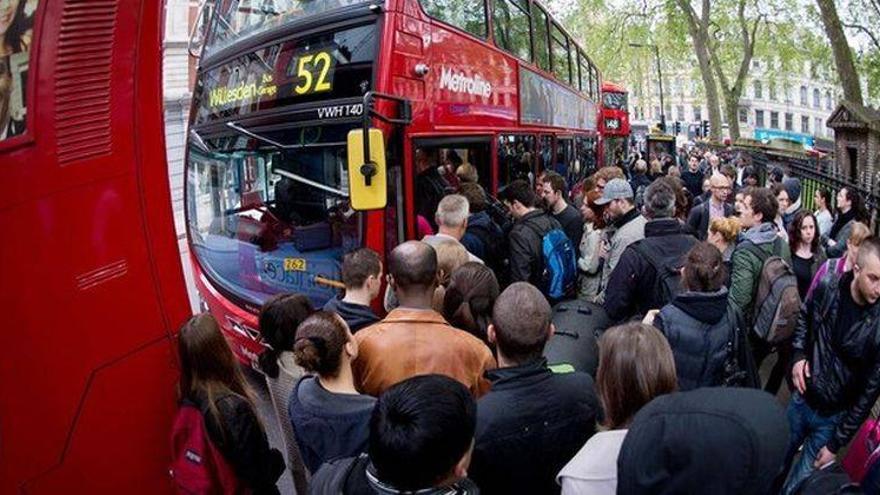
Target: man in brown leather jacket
413, 339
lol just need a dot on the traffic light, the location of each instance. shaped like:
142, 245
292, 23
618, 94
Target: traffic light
705, 128
677, 127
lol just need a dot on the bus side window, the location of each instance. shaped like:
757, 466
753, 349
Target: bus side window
516, 157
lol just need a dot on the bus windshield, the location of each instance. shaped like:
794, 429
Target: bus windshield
614, 101
265, 220
239, 19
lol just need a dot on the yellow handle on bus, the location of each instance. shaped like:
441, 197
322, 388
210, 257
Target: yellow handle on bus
367, 181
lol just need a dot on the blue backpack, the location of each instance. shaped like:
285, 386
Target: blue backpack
560, 265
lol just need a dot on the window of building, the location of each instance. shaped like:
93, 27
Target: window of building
786, 89
803, 96
817, 98
656, 114
772, 87
698, 113
759, 118
759, 90
789, 121
561, 59
743, 115
828, 100
511, 25
805, 124
818, 126
541, 38
470, 17
774, 120
679, 113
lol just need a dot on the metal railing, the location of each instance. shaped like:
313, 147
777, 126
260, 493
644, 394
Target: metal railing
815, 173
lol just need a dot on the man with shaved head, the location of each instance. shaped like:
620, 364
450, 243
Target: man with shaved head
716, 207
836, 370
535, 419
413, 339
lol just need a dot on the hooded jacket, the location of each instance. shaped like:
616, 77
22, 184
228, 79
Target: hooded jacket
624, 231
698, 328
357, 316
746, 266
710, 440
526, 247
844, 368
482, 237
631, 286
358, 476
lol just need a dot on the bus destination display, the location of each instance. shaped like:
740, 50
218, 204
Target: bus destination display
323, 67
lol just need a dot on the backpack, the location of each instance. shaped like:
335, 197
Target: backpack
777, 302
740, 369
667, 283
831, 480
559, 278
578, 326
197, 465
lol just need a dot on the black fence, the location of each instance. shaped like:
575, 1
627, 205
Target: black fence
814, 172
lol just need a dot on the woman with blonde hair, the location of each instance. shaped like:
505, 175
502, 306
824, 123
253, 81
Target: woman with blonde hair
723, 233
635, 366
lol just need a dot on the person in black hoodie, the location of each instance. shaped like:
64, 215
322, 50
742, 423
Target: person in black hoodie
211, 379
362, 276
567, 215
526, 236
421, 439
534, 419
723, 441
699, 325
634, 286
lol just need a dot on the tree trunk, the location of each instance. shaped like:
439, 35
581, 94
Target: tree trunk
731, 109
843, 59
698, 27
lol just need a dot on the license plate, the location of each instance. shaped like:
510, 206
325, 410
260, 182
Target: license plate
294, 264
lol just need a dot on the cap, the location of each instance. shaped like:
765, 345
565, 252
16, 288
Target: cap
615, 189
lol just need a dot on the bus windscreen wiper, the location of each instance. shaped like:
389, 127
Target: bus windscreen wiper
284, 173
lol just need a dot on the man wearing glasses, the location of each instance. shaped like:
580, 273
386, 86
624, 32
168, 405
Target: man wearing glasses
716, 207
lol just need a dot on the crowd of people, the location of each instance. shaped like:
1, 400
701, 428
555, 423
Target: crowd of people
705, 275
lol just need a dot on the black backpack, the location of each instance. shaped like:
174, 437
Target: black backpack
740, 369
574, 343
667, 283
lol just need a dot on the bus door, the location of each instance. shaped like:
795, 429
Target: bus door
546, 157
436, 163
516, 158
564, 164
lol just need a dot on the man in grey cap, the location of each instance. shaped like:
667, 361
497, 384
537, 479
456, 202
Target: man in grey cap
625, 226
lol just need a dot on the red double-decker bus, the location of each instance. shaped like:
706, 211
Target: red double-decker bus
270, 200
614, 123
90, 272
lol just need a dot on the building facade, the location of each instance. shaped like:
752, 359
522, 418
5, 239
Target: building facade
799, 102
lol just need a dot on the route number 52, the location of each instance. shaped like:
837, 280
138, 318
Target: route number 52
306, 67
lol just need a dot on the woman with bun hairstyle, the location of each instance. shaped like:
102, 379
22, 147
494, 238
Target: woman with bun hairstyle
279, 317
211, 380
329, 416
469, 299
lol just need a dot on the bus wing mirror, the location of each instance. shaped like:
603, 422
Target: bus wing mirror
367, 175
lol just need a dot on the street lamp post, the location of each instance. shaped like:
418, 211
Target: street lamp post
660, 79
